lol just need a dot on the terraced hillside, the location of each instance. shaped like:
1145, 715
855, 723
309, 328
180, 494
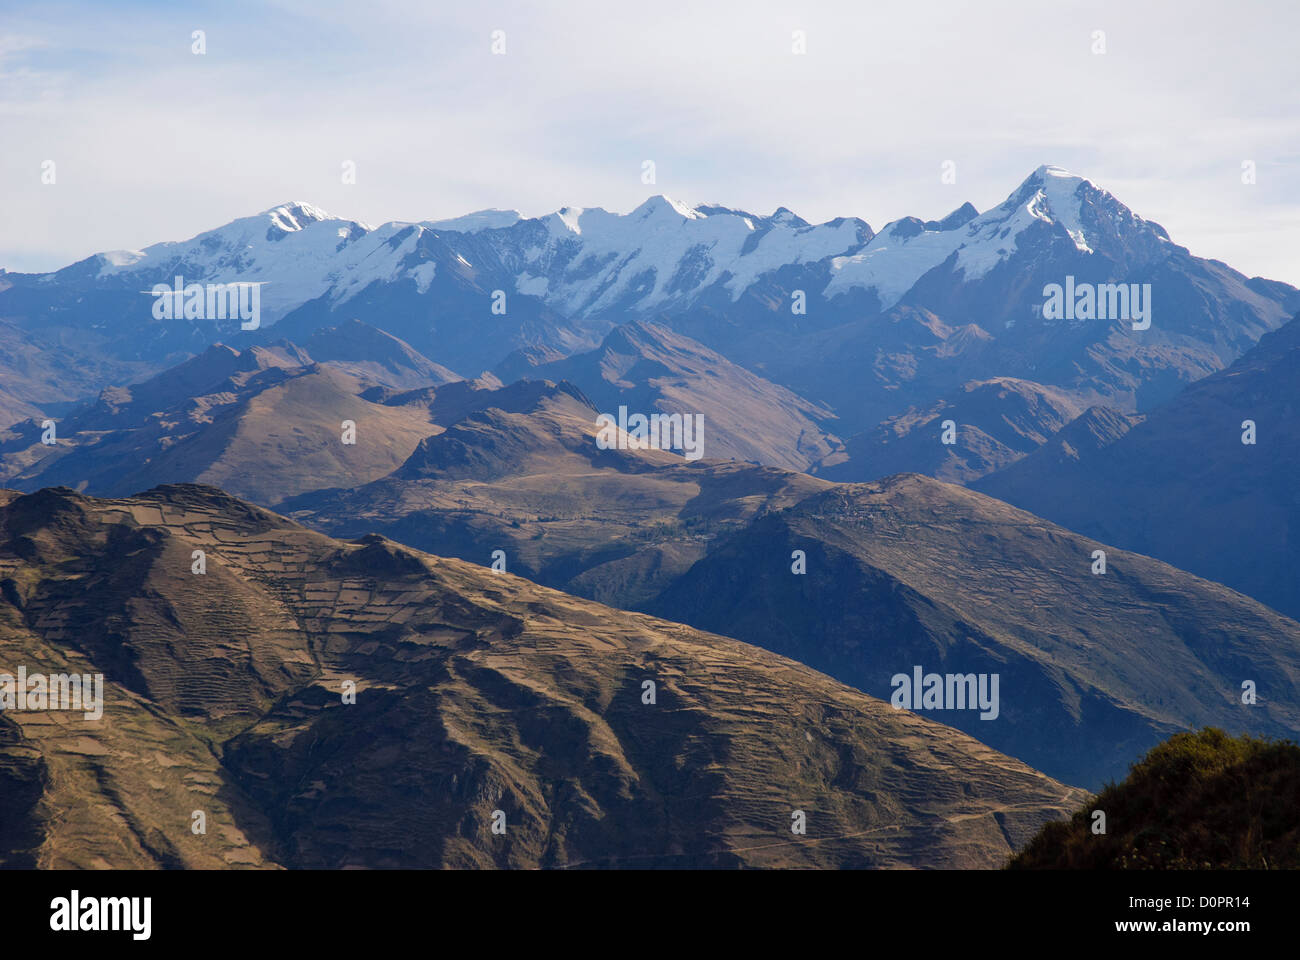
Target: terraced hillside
475, 692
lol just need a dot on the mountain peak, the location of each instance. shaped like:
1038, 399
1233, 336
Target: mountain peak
295, 215
660, 205
1051, 170
1055, 183
786, 215
958, 218
1051, 197
565, 220
1055, 195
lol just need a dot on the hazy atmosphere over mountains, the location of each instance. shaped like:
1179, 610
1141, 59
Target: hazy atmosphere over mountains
834, 523
795, 356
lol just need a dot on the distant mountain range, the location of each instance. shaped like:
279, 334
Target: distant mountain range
993, 423
864, 324
265, 423
900, 573
276, 411
465, 469
522, 473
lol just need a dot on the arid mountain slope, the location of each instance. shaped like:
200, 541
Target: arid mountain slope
518, 469
476, 692
651, 369
1078, 440
1094, 668
1183, 486
983, 426
372, 355
266, 423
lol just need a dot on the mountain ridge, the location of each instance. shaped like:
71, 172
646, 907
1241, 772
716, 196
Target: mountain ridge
1096, 666
772, 294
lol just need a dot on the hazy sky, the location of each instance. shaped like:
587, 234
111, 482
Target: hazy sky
153, 142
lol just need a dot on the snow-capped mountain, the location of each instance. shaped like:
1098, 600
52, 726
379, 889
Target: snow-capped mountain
469, 290
663, 255
1053, 200
578, 261
296, 250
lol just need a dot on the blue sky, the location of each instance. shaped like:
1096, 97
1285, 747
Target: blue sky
152, 142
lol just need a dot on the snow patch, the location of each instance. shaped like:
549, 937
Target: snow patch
479, 220
123, 258
423, 276
532, 286
891, 265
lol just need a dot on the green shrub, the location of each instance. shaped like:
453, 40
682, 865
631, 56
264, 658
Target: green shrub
1200, 800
